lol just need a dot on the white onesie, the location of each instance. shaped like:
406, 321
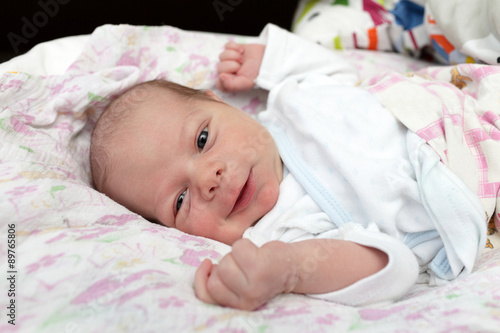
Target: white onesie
354, 172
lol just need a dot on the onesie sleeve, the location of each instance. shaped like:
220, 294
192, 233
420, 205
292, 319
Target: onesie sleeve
290, 56
387, 285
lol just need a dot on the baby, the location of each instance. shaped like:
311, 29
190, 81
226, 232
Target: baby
289, 192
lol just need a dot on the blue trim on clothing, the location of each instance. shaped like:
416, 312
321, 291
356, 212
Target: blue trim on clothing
415, 238
440, 265
311, 184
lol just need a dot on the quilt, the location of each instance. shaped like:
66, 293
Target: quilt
457, 112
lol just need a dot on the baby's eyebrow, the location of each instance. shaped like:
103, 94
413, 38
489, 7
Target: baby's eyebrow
184, 125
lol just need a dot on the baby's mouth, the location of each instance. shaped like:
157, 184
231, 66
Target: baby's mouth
246, 194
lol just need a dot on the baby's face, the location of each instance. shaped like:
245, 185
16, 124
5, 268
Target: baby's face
203, 167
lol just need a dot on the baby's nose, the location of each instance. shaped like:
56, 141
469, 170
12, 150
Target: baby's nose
210, 180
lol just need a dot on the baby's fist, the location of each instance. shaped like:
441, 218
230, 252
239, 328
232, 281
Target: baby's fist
239, 66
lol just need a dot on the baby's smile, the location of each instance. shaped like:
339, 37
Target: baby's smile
246, 194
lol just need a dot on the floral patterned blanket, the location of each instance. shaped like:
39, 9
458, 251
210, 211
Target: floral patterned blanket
76, 261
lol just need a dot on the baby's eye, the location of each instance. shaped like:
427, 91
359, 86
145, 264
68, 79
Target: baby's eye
180, 199
202, 139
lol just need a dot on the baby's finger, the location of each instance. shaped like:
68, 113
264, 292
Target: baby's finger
231, 45
221, 292
245, 254
231, 55
228, 67
200, 282
232, 274
230, 82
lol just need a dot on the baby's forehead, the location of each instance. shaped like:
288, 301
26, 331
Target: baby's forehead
160, 115
133, 97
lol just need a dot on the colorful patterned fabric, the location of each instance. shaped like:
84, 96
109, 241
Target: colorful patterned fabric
449, 32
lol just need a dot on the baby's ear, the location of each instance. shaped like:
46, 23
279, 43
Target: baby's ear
211, 94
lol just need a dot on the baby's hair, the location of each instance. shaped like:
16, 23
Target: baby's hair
109, 126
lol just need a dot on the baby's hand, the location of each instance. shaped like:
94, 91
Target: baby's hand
239, 66
246, 278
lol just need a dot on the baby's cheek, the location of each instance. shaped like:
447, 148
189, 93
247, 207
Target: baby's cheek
200, 223
268, 197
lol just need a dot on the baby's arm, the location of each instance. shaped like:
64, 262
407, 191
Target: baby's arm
239, 66
249, 276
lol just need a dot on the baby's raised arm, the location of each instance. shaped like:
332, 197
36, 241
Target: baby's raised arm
239, 66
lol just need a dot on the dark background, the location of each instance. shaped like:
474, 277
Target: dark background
25, 23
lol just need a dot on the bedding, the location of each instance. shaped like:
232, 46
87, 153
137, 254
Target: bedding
83, 263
